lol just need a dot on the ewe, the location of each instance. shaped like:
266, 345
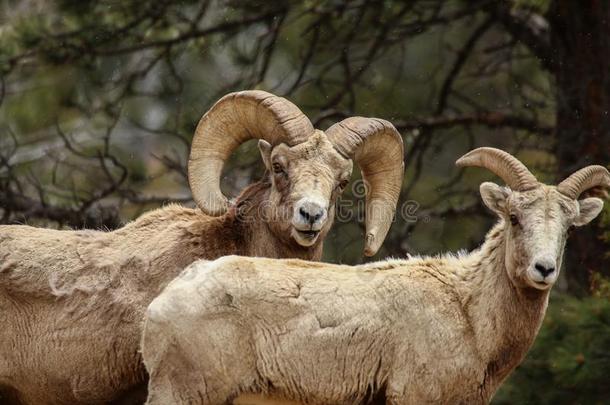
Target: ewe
72, 302
444, 330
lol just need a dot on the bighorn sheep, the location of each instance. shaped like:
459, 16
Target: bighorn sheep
72, 302
444, 330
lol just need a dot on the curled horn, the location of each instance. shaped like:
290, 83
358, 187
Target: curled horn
376, 146
506, 166
233, 120
585, 179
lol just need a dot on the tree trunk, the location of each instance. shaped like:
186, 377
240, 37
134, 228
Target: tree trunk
580, 39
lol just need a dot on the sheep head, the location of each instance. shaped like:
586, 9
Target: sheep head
308, 168
537, 217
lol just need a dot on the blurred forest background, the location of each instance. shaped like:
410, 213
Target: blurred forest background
99, 101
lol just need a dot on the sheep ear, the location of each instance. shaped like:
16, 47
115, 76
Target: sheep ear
494, 197
589, 209
265, 148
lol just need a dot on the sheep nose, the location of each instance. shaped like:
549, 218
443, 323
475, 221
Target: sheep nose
311, 212
545, 267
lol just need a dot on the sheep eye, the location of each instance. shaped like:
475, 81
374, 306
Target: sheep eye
514, 220
343, 184
277, 168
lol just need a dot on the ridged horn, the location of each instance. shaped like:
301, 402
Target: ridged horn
506, 166
376, 146
584, 179
233, 120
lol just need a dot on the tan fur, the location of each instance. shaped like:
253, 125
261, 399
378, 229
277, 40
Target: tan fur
444, 330
72, 302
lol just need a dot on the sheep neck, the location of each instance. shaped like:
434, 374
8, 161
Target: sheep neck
167, 240
505, 319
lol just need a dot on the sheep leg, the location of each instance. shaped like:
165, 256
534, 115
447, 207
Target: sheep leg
176, 380
165, 389
207, 370
161, 391
406, 400
186, 388
165, 362
403, 392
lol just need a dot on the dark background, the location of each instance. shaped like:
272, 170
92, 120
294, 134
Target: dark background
99, 101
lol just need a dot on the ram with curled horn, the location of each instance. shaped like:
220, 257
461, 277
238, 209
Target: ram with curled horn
78, 297
446, 329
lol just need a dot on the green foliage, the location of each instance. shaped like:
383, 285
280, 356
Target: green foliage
570, 361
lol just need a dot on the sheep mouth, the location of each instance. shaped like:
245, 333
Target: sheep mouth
541, 285
311, 234
305, 237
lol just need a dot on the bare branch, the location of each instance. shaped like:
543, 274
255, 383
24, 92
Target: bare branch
192, 34
529, 28
29, 208
459, 63
488, 119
